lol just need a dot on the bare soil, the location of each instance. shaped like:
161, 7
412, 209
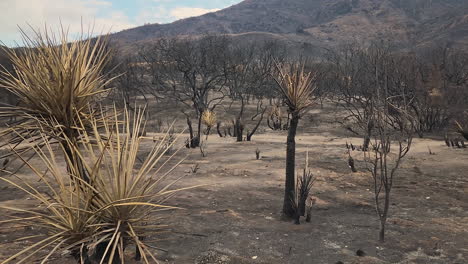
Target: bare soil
235, 217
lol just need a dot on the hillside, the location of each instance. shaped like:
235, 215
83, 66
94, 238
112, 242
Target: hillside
3, 57
324, 22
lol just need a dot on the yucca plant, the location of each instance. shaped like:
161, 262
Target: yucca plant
116, 207
296, 86
275, 117
209, 119
63, 213
302, 193
55, 81
128, 198
304, 186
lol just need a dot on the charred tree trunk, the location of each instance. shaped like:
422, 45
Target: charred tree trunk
288, 206
68, 147
193, 141
249, 135
239, 128
367, 136
382, 231
383, 216
208, 131
218, 125
199, 126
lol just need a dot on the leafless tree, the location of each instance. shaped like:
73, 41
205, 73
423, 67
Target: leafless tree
130, 81
440, 88
389, 109
191, 72
384, 164
248, 75
354, 86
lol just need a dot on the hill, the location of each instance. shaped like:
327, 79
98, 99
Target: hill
324, 22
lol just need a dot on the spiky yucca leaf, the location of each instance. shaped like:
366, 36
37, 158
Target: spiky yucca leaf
113, 208
55, 81
296, 85
66, 215
128, 198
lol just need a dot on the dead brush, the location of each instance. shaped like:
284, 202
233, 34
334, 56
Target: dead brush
275, 118
209, 119
194, 168
102, 217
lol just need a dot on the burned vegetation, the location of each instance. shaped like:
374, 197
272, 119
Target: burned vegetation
109, 148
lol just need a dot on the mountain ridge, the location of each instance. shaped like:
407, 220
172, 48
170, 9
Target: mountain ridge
323, 23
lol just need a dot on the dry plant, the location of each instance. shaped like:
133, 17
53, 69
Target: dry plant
297, 86
55, 81
275, 119
221, 129
209, 119
120, 204
202, 147
194, 168
461, 130
302, 193
383, 164
351, 163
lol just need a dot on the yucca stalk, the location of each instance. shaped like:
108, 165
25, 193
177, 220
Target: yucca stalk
296, 86
55, 81
119, 205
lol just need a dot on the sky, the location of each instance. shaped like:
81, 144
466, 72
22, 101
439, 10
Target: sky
105, 15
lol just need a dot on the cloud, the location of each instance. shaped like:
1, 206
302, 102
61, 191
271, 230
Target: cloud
166, 14
70, 13
102, 14
184, 12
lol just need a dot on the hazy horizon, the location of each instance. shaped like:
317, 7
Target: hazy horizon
103, 15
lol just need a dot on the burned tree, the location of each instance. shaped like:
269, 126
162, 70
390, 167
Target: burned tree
239, 80
248, 69
382, 157
348, 76
384, 164
191, 72
439, 86
130, 80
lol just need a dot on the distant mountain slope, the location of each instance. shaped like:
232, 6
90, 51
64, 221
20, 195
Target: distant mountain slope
4, 60
324, 22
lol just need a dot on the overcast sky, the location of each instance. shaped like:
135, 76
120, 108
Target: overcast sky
107, 15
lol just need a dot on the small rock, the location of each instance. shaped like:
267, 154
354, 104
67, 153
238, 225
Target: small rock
254, 257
